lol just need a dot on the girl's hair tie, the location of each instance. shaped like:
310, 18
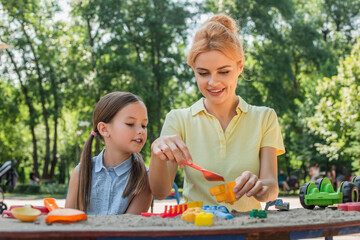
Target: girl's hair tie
93, 133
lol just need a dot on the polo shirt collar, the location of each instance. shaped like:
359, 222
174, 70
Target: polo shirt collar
200, 107
119, 169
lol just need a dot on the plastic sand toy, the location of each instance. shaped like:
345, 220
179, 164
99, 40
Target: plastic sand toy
26, 213
258, 214
220, 211
224, 192
62, 215
350, 206
209, 175
279, 204
9, 214
171, 211
190, 214
203, 219
322, 194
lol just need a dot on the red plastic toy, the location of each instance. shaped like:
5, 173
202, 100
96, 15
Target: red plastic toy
8, 213
350, 206
172, 212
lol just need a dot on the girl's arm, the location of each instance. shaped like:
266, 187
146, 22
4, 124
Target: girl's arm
167, 153
73, 189
265, 188
141, 202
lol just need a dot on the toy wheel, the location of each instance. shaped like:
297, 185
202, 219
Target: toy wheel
3, 207
302, 194
350, 192
356, 181
318, 183
1, 195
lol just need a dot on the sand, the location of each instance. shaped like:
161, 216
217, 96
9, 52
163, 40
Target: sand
127, 222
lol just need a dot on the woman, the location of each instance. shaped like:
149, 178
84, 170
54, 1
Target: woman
220, 132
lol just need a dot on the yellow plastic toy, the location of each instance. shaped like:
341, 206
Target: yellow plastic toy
26, 213
224, 192
203, 219
190, 214
194, 204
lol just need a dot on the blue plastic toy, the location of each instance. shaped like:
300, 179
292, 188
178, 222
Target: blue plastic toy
220, 211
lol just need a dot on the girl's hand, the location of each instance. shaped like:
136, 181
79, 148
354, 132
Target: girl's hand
250, 185
171, 148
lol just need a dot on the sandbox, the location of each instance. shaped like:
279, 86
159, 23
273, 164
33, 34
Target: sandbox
293, 224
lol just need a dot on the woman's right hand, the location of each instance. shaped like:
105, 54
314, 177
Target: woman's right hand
171, 148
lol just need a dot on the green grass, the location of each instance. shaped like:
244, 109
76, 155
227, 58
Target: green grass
33, 196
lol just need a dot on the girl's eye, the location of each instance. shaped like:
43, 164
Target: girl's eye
144, 126
225, 72
203, 73
130, 124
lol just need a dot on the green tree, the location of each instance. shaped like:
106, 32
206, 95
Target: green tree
336, 115
34, 35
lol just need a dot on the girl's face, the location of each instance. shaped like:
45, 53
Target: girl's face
216, 76
128, 128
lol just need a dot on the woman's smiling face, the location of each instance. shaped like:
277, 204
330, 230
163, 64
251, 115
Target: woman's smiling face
216, 76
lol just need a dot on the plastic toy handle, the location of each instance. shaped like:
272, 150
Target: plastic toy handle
65, 219
7, 214
50, 203
193, 166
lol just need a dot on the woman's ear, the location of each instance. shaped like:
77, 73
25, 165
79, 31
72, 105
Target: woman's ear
103, 129
240, 65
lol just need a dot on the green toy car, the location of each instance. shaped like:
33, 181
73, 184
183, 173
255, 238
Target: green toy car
322, 194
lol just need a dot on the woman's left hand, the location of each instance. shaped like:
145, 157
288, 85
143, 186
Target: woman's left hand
249, 184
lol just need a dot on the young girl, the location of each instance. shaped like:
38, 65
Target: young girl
115, 181
220, 132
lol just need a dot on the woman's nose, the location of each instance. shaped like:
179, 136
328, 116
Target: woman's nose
212, 80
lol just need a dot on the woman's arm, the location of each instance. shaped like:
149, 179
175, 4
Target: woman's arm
141, 202
268, 175
265, 188
73, 189
166, 154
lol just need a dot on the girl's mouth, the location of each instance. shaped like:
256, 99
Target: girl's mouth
138, 141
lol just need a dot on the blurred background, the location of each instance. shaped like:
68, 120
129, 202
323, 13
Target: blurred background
58, 58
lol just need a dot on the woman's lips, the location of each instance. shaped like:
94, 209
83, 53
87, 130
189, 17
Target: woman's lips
216, 92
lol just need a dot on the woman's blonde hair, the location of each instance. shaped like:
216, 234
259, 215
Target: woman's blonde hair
218, 33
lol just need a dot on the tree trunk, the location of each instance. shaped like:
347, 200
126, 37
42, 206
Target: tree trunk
56, 117
43, 107
54, 152
31, 114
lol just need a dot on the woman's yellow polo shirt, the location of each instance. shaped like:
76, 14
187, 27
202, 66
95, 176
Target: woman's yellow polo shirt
228, 153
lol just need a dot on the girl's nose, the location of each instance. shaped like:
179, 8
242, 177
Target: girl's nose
140, 130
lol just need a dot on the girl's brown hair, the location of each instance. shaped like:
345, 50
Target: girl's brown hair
219, 33
105, 110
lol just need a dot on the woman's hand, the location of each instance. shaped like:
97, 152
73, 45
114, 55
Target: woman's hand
249, 184
171, 148
167, 153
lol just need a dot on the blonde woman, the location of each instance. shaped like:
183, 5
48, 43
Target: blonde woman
220, 132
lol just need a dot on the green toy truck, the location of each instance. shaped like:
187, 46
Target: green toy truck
322, 194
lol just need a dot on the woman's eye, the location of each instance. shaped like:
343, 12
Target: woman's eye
203, 73
224, 72
144, 126
130, 124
